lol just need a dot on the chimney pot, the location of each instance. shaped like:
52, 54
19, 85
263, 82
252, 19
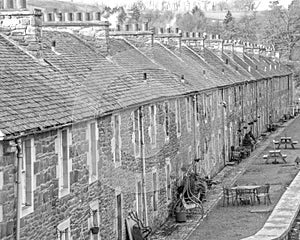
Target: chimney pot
145, 26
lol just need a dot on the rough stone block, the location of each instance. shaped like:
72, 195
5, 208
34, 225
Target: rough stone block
36, 167
6, 179
9, 228
3, 197
3, 227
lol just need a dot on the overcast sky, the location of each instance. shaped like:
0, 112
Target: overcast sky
263, 3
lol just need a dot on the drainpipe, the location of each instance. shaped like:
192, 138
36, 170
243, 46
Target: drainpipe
142, 151
19, 161
195, 119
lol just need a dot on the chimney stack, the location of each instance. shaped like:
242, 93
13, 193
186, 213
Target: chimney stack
26, 31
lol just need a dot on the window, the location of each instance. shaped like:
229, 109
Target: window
94, 219
152, 130
197, 113
119, 216
64, 163
139, 199
188, 112
155, 189
64, 230
178, 117
93, 153
168, 180
167, 122
136, 132
116, 140
27, 177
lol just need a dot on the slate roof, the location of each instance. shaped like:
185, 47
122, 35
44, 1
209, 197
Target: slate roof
76, 84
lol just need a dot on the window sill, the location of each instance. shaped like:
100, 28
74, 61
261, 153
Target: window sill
92, 179
118, 164
26, 210
63, 192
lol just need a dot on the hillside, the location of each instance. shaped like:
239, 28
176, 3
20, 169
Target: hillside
51, 5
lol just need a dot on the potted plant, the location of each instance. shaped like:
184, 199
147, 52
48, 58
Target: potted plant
95, 230
180, 213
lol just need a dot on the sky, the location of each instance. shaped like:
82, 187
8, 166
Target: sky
262, 6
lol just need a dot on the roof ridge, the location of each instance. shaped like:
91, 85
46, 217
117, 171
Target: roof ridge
39, 61
169, 50
134, 47
195, 53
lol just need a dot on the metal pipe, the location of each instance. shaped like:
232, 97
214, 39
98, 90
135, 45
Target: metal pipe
19, 162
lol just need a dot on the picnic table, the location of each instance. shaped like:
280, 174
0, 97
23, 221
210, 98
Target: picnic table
246, 192
286, 141
275, 154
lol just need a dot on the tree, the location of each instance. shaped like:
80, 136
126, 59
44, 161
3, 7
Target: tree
137, 9
281, 27
194, 21
244, 5
228, 18
222, 5
122, 15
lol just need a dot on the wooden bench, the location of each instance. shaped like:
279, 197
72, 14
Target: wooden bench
295, 142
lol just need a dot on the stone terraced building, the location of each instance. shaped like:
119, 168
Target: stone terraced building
97, 122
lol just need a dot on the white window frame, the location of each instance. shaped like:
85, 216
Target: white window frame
178, 117
118, 192
152, 126
155, 191
136, 128
113, 142
168, 189
62, 227
188, 102
25, 210
63, 191
92, 177
94, 206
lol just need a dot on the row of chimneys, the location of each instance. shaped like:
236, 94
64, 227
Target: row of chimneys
71, 16
96, 16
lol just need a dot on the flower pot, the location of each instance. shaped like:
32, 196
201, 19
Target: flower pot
180, 216
95, 230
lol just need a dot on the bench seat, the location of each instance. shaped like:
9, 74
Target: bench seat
295, 142
284, 155
265, 156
